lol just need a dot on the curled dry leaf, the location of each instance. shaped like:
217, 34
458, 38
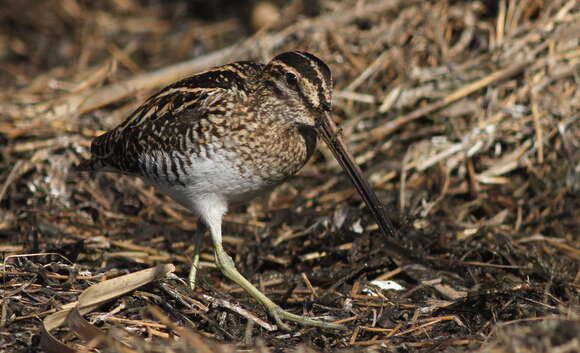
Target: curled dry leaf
89, 300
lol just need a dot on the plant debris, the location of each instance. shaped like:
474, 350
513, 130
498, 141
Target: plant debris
463, 115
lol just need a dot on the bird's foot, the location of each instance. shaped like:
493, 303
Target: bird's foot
279, 315
227, 266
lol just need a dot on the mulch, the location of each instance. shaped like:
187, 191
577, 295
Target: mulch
464, 116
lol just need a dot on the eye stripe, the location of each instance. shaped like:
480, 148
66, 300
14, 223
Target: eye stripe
322, 70
303, 65
315, 76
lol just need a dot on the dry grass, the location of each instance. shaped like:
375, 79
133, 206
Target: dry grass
465, 116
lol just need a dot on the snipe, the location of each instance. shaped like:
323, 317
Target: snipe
226, 135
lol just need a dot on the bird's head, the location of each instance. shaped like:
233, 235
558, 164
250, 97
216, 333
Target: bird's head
303, 82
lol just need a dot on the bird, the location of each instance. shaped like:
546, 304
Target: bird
224, 136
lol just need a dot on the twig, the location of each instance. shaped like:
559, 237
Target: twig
382, 131
92, 99
243, 312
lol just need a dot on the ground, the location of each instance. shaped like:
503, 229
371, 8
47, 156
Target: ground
464, 116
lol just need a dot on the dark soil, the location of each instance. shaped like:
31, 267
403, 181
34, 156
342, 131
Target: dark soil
464, 115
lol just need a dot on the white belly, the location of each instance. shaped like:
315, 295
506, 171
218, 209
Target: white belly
221, 175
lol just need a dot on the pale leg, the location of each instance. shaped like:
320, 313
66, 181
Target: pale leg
228, 268
195, 263
211, 208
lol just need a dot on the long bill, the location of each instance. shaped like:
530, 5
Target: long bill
332, 136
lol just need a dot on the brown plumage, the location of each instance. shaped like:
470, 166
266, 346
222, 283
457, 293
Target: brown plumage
223, 136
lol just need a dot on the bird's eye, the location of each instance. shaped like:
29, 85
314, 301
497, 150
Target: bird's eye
291, 79
326, 107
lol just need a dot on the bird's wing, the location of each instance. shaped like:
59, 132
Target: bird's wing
170, 118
